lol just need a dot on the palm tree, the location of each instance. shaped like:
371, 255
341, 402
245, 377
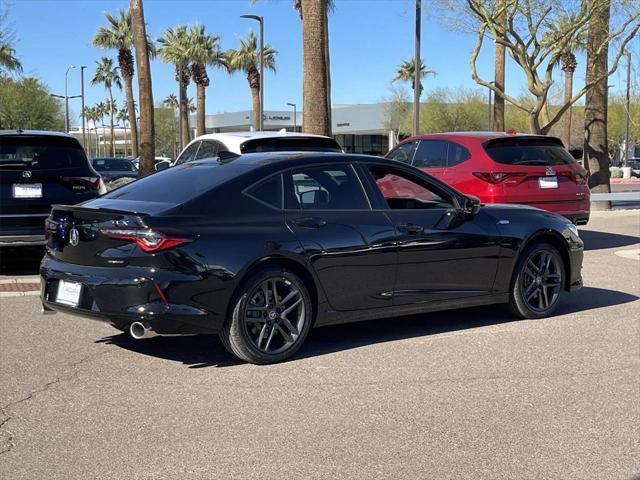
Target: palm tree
143, 51
247, 59
172, 102
107, 74
174, 50
203, 50
406, 72
567, 60
101, 111
118, 35
89, 113
8, 60
122, 116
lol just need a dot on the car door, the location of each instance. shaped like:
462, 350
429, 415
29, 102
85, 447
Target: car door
431, 157
442, 254
350, 247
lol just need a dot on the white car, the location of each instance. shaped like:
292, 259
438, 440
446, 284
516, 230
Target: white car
237, 143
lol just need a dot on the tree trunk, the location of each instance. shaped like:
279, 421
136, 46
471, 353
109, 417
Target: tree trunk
131, 112
596, 149
498, 66
200, 98
327, 61
568, 93
315, 118
147, 129
184, 113
111, 129
255, 100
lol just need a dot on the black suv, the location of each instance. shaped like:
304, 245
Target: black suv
39, 169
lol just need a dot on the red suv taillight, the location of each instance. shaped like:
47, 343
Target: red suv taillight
147, 239
581, 178
499, 177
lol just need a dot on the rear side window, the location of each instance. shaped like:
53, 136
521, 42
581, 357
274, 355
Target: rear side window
189, 154
528, 151
431, 154
290, 144
456, 154
404, 153
208, 149
268, 191
23, 152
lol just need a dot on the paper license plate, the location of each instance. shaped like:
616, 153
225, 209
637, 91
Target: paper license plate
548, 182
68, 293
27, 190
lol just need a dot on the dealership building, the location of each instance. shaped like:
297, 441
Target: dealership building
358, 128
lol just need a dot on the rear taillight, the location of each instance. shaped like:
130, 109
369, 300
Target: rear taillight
82, 184
499, 177
147, 239
581, 178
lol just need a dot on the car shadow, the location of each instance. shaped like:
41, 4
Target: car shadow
207, 350
18, 261
595, 240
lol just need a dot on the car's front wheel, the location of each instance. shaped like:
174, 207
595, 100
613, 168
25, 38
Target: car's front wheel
271, 317
538, 281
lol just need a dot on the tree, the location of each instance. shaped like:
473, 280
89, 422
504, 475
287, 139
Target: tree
396, 108
247, 59
101, 111
9, 62
122, 116
147, 128
174, 50
27, 103
165, 130
523, 37
406, 73
107, 74
91, 114
172, 102
567, 61
203, 50
118, 35
617, 116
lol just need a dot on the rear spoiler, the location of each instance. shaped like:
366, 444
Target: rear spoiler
529, 138
119, 207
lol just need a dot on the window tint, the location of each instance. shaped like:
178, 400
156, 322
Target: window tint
290, 144
208, 149
189, 154
404, 153
268, 191
327, 188
456, 154
528, 151
23, 152
403, 191
112, 165
431, 154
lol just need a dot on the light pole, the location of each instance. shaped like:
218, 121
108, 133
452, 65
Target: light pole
84, 137
628, 106
260, 20
416, 74
66, 100
295, 118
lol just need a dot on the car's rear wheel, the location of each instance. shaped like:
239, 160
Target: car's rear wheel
271, 317
538, 281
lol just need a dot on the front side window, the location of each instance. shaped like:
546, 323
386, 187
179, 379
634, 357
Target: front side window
189, 153
404, 153
334, 187
404, 191
431, 154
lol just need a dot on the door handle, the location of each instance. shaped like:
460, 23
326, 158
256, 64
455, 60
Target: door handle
309, 222
410, 228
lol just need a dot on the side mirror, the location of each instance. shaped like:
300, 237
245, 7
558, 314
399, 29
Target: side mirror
162, 165
471, 205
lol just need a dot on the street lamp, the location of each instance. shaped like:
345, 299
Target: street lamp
628, 106
260, 20
295, 118
66, 101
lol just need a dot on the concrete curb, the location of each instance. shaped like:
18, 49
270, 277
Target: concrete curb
30, 293
28, 279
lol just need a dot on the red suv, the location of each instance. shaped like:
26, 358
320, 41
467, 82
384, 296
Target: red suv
503, 168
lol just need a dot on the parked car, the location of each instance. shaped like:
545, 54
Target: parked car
634, 164
114, 168
237, 143
504, 168
261, 247
136, 161
38, 169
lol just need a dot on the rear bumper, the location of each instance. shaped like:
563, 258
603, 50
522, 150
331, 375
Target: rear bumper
121, 296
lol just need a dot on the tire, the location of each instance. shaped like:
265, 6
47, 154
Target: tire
537, 284
263, 328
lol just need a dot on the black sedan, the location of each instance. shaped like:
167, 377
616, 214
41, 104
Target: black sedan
114, 168
261, 247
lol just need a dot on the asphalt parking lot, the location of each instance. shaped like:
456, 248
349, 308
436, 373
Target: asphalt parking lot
463, 394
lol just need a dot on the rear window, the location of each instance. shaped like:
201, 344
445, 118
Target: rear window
176, 185
290, 144
23, 152
528, 151
112, 165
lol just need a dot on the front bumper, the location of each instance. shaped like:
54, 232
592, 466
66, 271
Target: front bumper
121, 296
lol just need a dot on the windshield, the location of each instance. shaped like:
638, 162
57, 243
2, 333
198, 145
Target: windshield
112, 165
528, 151
23, 152
290, 144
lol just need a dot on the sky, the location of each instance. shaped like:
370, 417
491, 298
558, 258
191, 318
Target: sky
368, 40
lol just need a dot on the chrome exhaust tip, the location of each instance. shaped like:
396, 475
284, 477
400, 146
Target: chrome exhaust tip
139, 330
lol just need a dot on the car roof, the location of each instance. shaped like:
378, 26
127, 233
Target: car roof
233, 140
480, 135
43, 133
